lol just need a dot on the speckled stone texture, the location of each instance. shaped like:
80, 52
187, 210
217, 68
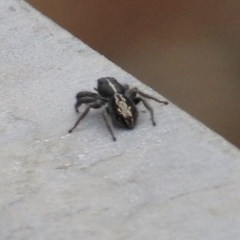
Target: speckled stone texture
178, 180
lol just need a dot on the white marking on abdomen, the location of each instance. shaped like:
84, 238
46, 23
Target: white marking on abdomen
122, 106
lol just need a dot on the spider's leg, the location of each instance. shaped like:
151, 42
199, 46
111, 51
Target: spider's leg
147, 106
109, 123
126, 87
134, 91
95, 105
85, 97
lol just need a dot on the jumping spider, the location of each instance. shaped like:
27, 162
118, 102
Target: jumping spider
121, 104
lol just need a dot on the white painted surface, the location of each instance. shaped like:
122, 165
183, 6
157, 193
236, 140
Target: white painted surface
178, 180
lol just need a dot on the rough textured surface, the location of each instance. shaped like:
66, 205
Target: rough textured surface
178, 180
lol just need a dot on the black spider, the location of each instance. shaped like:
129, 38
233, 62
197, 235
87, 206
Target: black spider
120, 100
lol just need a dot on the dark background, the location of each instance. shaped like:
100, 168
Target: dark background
188, 50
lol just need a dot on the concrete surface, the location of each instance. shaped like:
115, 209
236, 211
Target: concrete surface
178, 180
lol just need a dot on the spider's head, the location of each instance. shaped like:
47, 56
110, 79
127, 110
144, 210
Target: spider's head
109, 86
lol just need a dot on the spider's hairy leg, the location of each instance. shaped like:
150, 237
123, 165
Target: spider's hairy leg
85, 97
125, 86
148, 107
134, 91
109, 123
95, 105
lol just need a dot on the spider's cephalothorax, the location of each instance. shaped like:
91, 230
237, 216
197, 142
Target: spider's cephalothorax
120, 103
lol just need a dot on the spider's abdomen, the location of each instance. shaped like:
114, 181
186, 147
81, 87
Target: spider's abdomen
123, 111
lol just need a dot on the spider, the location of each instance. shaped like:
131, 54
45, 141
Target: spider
120, 103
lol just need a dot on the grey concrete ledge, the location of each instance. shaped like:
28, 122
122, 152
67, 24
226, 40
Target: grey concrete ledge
178, 180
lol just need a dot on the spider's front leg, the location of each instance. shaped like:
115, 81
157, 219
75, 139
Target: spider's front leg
92, 102
132, 93
85, 97
108, 121
147, 106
